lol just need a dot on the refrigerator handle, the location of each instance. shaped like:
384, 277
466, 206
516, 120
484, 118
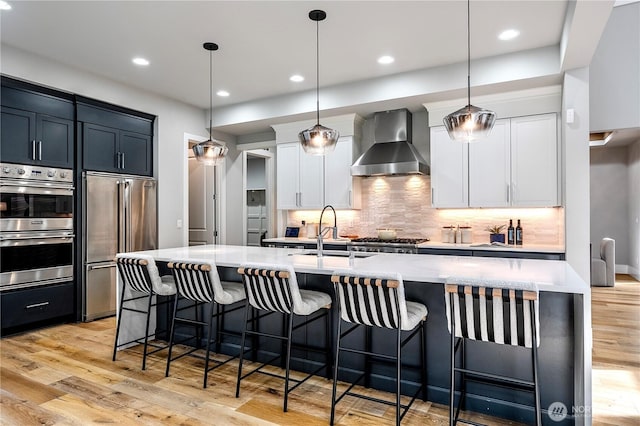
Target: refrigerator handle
127, 213
121, 226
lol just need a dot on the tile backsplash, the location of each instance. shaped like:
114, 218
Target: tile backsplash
404, 203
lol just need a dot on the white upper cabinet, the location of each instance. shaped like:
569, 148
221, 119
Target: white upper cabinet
490, 168
516, 166
341, 190
449, 170
307, 181
300, 182
534, 161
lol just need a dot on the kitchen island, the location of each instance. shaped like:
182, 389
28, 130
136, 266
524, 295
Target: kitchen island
565, 322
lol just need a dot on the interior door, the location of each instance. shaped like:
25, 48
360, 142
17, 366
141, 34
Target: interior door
202, 207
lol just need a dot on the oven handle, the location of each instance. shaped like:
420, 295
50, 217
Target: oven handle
17, 241
36, 190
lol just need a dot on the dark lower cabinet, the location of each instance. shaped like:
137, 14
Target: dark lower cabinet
24, 308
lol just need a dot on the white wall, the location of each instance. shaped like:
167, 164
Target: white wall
615, 72
174, 119
634, 209
610, 197
575, 153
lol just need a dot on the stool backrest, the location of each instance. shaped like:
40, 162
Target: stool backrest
490, 314
270, 287
135, 272
196, 280
374, 301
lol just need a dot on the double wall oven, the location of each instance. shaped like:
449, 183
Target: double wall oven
36, 226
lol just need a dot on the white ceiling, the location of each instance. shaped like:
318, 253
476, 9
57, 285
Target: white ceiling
262, 43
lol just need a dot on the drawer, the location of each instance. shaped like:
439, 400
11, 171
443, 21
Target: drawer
30, 305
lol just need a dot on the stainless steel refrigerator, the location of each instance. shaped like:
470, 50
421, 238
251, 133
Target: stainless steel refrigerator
119, 215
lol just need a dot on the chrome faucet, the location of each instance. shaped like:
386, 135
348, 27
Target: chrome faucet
323, 230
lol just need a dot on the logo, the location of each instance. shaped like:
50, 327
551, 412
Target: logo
557, 411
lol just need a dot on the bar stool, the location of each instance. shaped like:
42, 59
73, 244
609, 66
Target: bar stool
198, 283
274, 289
378, 302
487, 311
140, 274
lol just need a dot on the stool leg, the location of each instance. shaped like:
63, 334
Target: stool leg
171, 333
146, 336
423, 359
288, 362
534, 355
206, 360
115, 343
452, 379
367, 362
398, 377
335, 371
219, 325
329, 356
244, 336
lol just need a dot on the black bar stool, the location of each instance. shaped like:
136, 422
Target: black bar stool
199, 284
139, 274
378, 302
274, 289
487, 311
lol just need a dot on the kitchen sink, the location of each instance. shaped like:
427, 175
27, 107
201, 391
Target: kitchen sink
334, 253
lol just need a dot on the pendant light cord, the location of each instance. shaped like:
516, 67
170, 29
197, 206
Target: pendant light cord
468, 53
210, 92
318, 72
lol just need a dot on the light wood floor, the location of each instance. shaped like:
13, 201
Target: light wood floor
64, 376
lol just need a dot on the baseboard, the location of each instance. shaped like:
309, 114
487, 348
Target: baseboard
622, 269
634, 272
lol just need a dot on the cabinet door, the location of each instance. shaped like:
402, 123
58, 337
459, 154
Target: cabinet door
311, 180
449, 170
490, 168
135, 151
55, 141
17, 136
287, 172
534, 161
100, 148
338, 182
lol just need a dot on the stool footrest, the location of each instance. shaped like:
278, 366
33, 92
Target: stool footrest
495, 379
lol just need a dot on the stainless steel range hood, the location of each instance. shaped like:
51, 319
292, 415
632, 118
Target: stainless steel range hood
392, 152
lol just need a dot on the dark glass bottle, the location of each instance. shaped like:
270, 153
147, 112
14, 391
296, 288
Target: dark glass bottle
518, 234
511, 233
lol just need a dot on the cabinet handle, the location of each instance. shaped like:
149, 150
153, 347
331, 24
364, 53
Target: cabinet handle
300, 199
350, 198
33, 150
40, 150
122, 154
37, 305
508, 193
432, 194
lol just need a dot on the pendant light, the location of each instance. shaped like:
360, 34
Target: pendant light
210, 152
318, 140
470, 122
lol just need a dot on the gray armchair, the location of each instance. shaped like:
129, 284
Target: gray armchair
603, 268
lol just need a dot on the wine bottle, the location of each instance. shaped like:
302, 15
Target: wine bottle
518, 234
511, 233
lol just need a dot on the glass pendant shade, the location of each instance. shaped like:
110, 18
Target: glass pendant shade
210, 152
469, 123
318, 140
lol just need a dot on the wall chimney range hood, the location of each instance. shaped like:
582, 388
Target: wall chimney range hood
392, 152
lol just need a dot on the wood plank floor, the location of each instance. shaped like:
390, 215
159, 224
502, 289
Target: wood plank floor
64, 375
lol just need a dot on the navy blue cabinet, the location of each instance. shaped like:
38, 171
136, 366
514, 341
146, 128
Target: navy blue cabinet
115, 141
36, 128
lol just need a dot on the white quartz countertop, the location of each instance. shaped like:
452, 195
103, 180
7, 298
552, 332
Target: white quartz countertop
527, 248
550, 275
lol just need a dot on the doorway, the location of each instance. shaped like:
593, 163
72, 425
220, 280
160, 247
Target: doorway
258, 193
203, 213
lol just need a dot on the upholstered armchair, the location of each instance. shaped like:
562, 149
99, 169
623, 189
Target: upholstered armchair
603, 267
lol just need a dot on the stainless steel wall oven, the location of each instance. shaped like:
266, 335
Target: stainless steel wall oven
36, 226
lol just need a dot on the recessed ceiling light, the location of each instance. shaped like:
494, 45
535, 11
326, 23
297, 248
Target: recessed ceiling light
508, 34
4, 5
222, 93
385, 59
140, 61
296, 78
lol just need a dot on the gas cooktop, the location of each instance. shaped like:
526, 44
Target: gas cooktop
407, 241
